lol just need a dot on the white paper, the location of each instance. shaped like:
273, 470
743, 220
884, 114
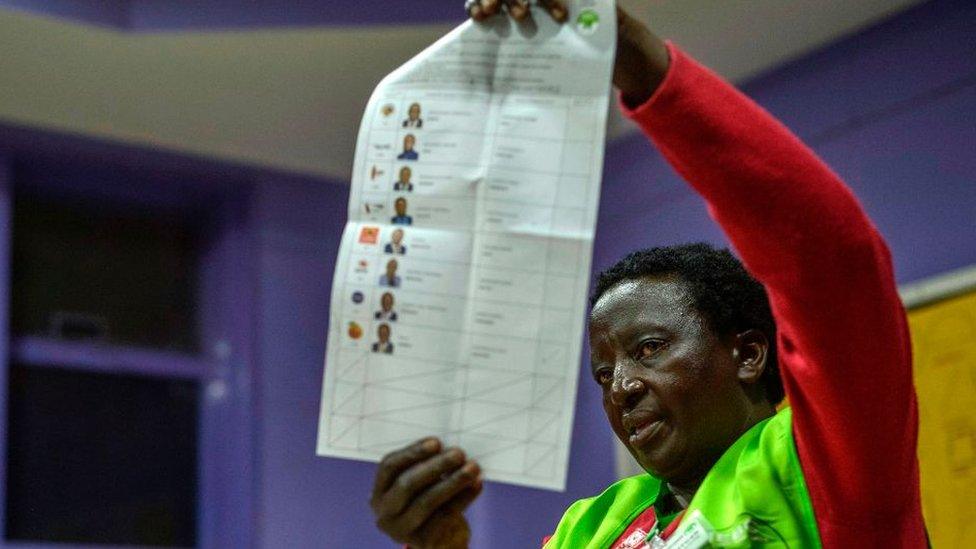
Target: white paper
481, 345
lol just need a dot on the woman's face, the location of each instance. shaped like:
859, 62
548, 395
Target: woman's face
670, 384
414, 111
387, 302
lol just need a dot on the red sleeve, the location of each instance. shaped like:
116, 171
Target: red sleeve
843, 342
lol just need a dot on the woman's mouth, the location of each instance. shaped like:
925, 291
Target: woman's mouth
644, 433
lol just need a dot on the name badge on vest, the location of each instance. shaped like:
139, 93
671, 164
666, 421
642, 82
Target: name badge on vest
695, 532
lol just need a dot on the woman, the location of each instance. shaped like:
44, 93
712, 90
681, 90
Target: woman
685, 350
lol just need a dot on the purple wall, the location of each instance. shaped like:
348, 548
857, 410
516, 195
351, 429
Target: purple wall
892, 110
115, 178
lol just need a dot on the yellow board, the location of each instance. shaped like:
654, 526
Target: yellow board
944, 341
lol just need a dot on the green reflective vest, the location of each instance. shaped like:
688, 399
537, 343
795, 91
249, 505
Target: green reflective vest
754, 496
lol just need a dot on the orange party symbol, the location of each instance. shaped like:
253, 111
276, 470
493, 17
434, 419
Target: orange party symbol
369, 235
355, 330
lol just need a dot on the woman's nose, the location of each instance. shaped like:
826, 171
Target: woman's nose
626, 388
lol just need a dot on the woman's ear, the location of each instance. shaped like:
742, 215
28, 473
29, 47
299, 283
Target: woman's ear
750, 353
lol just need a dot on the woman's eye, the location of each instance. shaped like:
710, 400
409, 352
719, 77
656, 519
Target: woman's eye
648, 348
604, 377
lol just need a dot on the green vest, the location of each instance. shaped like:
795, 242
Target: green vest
754, 496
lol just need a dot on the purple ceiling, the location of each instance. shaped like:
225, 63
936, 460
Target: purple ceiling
161, 15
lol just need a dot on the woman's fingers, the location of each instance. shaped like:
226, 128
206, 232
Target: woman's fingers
520, 10
461, 501
556, 9
474, 9
433, 499
397, 462
416, 480
421, 491
490, 7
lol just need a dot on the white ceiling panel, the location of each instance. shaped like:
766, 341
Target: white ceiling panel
292, 99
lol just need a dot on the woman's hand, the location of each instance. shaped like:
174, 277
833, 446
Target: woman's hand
420, 495
479, 10
642, 58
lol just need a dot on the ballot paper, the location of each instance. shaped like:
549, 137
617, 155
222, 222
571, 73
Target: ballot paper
459, 296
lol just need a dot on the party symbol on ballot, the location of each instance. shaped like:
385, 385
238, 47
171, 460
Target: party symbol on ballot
369, 235
587, 21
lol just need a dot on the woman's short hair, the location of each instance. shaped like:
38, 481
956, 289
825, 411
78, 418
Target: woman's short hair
725, 294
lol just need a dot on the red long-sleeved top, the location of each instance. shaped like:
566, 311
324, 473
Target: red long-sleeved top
843, 341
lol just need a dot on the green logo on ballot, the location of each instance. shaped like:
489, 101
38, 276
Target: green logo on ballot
588, 21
